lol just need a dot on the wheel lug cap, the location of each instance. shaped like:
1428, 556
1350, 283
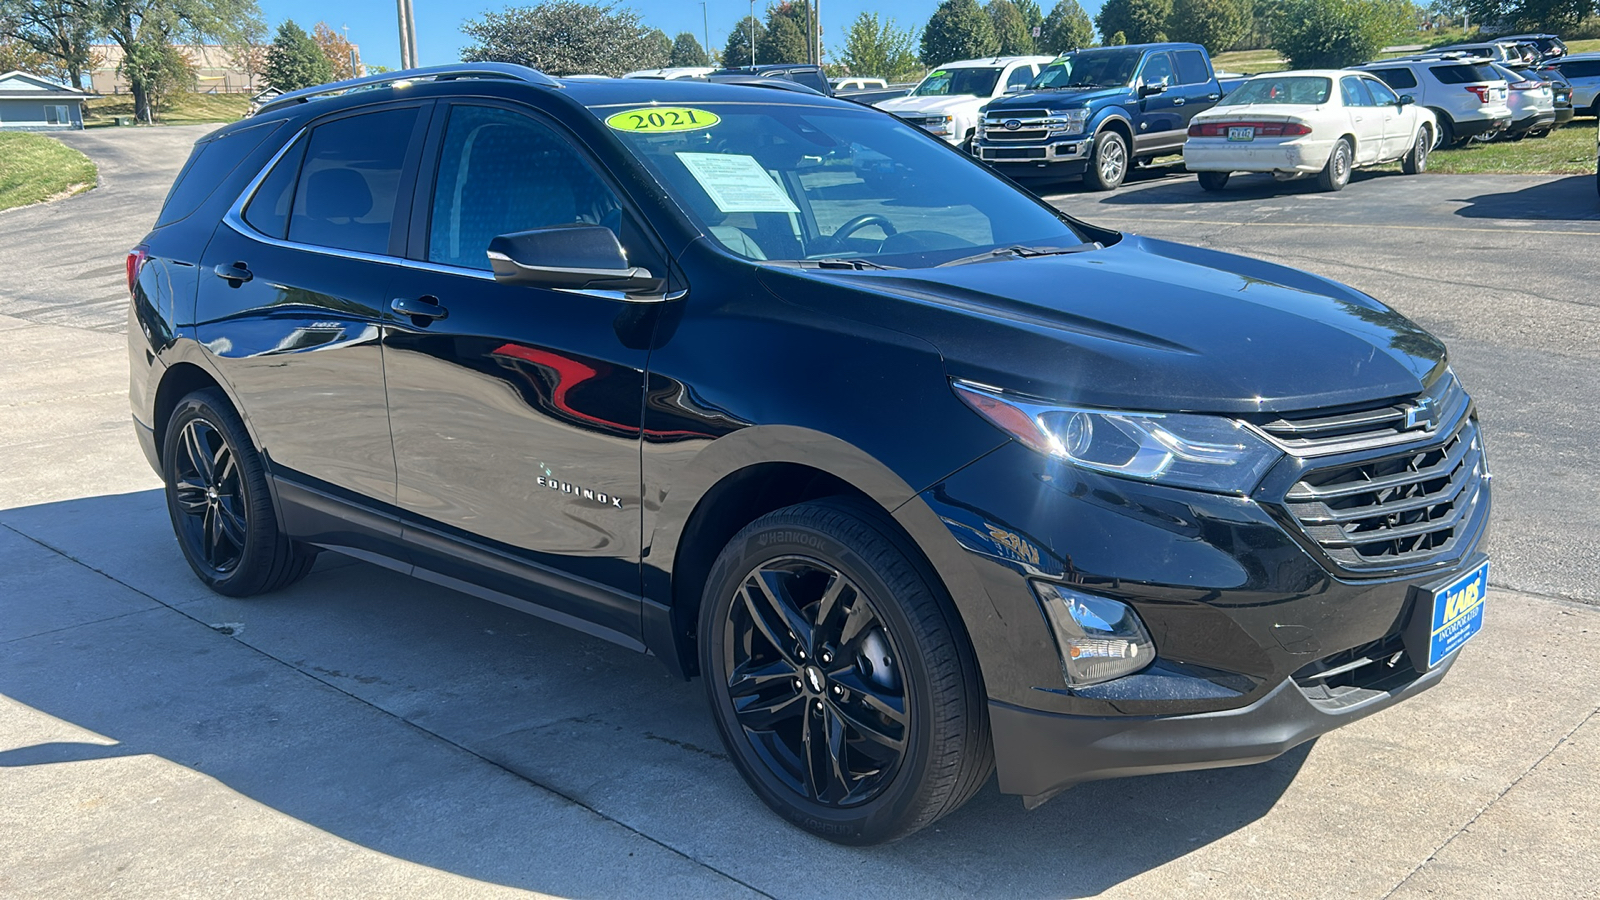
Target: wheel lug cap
797, 684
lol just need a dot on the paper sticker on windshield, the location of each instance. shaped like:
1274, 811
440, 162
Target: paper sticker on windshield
663, 119
737, 183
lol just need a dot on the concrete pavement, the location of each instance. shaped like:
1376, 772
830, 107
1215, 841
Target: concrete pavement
363, 734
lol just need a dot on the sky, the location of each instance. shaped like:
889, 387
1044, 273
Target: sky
374, 24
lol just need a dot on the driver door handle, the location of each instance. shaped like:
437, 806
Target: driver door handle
235, 273
425, 307
1178, 102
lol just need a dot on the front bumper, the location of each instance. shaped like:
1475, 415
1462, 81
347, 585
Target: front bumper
1068, 155
1039, 753
1222, 155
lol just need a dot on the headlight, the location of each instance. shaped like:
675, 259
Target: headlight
1208, 453
1099, 638
1070, 121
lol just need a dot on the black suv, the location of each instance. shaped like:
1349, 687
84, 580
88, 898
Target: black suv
924, 478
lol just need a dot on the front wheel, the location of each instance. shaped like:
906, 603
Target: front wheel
218, 501
1213, 181
1108, 163
1415, 161
1336, 174
839, 675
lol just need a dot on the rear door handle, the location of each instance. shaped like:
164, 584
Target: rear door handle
1178, 102
424, 307
235, 273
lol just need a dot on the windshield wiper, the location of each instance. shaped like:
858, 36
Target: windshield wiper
843, 263
1019, 253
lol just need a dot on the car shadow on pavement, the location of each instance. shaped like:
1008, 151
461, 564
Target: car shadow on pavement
395, 715
1569, 199
1241, 187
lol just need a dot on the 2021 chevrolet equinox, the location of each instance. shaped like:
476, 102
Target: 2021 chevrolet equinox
923, 478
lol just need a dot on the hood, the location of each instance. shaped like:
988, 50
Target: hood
1060, 98
1141, 325
932, 105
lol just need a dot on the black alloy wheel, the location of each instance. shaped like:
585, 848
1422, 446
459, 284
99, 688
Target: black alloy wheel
839, 675
218, 500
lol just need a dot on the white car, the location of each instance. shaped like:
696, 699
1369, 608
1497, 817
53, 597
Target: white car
847, 84
950, 100
1322, 122
672, 73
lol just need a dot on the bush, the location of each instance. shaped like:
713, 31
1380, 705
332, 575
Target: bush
1332, 34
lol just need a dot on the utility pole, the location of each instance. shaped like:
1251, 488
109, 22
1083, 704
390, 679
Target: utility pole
705, 23
408, 34
752, 33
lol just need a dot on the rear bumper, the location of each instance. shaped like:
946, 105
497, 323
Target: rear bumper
1541, 119
1469, 128
1040, 753
1218, 155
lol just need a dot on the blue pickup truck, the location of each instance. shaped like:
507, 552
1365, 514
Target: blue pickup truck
1098, 112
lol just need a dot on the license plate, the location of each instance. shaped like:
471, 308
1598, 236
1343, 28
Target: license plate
1455, 612
1241, 133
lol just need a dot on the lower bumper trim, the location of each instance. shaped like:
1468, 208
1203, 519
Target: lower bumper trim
1039, 754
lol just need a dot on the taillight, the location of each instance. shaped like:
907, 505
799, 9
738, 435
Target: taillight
1262, 129
1482, 90
136, 258
1525, 85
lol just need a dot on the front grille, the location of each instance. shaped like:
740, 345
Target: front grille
1026, 134
1398, 510
1346, 428
1013, 153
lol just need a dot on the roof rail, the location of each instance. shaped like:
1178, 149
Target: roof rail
505, 71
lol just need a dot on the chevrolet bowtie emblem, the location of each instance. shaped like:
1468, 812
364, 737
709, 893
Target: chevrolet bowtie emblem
1422, 414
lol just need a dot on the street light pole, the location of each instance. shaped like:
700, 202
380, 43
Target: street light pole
752, 33
405, 38
705, 23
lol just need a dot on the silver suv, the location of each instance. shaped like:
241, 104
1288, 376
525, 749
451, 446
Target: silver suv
1582, 70
1532, 102
1465, 93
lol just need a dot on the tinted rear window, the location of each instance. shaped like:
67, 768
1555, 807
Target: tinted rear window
209, 165
350, 181
1587, 68
1399, 79
1461, 73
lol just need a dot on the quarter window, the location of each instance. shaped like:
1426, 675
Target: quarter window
268, 211
350, 182
501, 172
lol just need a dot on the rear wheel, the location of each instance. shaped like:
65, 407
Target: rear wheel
1108, 163
1416, 160
840, 677
1336, 174
1447, 131
1214, 181
218, 501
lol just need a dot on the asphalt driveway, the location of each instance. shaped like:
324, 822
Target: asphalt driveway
364, 734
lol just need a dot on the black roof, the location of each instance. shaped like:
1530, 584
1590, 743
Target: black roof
624, 91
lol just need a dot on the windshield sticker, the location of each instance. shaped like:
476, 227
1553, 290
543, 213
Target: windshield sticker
662, 119
737, 183
939, 74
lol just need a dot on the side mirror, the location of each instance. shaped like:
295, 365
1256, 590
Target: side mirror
1154, 87
570, 257
1406, 99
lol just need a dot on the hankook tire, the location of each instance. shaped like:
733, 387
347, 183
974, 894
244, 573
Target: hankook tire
840, 676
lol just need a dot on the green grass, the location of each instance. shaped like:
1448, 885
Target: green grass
185, 109
34, 167
1569, 150
1250, 61
1582, 46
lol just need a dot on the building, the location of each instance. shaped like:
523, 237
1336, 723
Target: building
31, 103
218, 69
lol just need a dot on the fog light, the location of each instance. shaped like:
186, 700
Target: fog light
1099, 638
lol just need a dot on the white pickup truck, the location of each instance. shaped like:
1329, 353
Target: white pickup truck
948, 101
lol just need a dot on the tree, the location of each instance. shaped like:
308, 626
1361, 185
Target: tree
1331, 34
294, 60
1140, 21
958, 29
1009, 29
784, 40
130, 23
162, 68
1213, 24
879, 48
337, 49
662, 42
1117, 39
1066, 28
17, 56
742, 40
686, 51
565, 37
1541, 15
56, 34
1032, 14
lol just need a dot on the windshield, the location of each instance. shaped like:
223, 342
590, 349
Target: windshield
1300, 90
1090, 68
847, 187
951, 82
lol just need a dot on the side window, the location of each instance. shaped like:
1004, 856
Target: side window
1019, 77
1192, 68
501, 172
1399, 79
1580, 69
351, 180
1381, 94
811, 78
1354, 92
1157, 68
268, 211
